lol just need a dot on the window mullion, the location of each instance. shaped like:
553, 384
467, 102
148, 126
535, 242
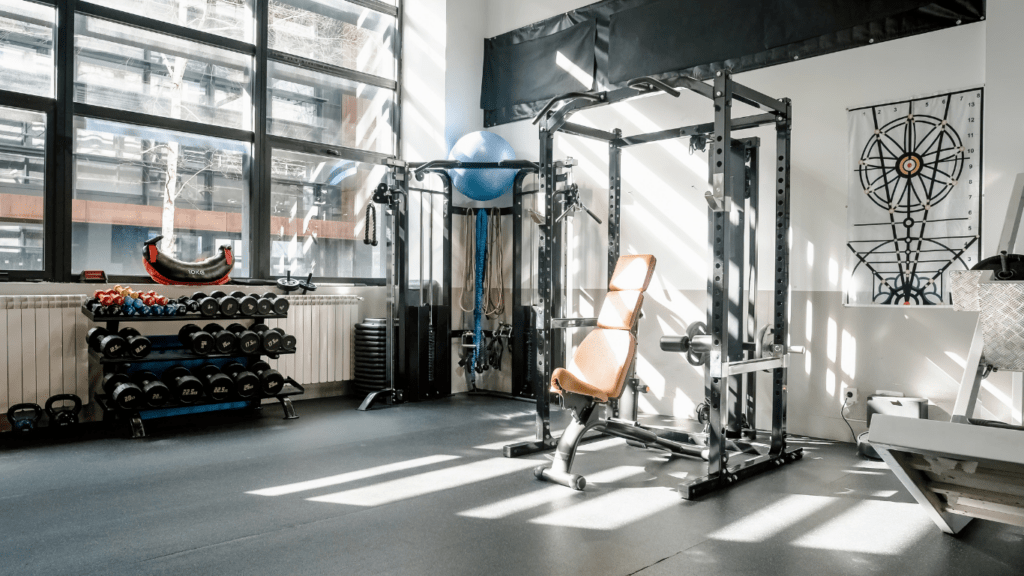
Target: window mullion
260, 195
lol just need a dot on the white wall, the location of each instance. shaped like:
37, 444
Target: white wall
916, 351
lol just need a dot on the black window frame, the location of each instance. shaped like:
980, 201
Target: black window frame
61, 111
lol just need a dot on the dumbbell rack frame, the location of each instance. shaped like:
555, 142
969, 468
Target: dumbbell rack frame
135, 417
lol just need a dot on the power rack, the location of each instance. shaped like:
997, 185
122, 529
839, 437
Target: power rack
729, 346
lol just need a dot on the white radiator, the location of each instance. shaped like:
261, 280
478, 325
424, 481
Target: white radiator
42, 349
323, 326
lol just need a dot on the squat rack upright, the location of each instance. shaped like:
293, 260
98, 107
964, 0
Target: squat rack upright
729, 346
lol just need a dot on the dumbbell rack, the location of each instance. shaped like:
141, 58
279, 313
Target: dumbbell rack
167, 352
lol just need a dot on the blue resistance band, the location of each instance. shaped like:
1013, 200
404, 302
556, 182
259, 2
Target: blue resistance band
481, 256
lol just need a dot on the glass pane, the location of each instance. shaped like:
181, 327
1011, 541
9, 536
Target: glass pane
336, 33
22, 161
319, 216
127, 68
230, 18
123, 174
308, 105
26, 47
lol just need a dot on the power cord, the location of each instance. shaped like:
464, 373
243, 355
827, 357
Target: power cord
842, 413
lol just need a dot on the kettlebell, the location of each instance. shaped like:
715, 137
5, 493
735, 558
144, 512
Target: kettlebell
62, 416
27, 421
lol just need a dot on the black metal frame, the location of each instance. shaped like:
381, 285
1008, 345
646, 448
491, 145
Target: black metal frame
732, 214
61, 111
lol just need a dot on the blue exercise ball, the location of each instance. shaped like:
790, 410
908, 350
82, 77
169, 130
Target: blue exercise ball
488, 183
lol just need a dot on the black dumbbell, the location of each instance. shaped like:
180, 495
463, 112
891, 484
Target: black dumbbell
189, 304
246, 383
185, 388
138, 345
124, 393
278, 303
249, 342
265, 306
93, 305
224, 341
271, 381
155, 392
219, 386
107, 344
270, 338
207, 306
228, 304
288, 342
248, 304
196, 339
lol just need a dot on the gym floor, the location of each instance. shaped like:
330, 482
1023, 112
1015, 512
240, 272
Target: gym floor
423, 489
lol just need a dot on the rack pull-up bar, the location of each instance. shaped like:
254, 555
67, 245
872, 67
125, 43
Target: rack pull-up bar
599, 97
648, 84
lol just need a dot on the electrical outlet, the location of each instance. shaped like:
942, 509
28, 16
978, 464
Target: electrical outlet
850, 396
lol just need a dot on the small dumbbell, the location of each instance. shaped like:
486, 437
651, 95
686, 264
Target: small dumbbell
196, 340
271, 381
188, 304
246, 383
288, 342
249, 342
219, 386
138, 345
107, 344
155, 392
278, 303
270, 338
248, 304
186, 388
124, 393
228, 304
207, 306
224, 341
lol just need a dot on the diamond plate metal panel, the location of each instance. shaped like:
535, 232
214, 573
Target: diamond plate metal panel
963, 286
1002, 323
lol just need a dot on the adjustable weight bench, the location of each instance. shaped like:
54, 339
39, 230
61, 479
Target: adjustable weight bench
598, 374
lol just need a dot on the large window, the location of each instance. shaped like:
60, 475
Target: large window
259, 124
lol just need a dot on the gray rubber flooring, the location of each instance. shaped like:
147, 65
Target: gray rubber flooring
422, 489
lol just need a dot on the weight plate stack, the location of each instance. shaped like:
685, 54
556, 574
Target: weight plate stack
371, 355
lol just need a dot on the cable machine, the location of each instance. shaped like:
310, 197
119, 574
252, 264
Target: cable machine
418, 333
728, 345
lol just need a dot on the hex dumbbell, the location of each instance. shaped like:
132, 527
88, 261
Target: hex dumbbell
155, 392
224, 341
279, 304
186, 388
228, 304
249, 342
107, 344
196, 339
124, 393
248, 304
218, 385
138, 345
246, 383
271, 381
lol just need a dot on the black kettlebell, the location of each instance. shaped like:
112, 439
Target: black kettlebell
26, 422
63, 416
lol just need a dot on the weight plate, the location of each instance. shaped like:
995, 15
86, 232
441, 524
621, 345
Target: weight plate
370, 326
370, 354
369, 373
371, 346
361, 378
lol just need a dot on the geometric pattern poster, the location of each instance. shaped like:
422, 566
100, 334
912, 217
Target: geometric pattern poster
914, 203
